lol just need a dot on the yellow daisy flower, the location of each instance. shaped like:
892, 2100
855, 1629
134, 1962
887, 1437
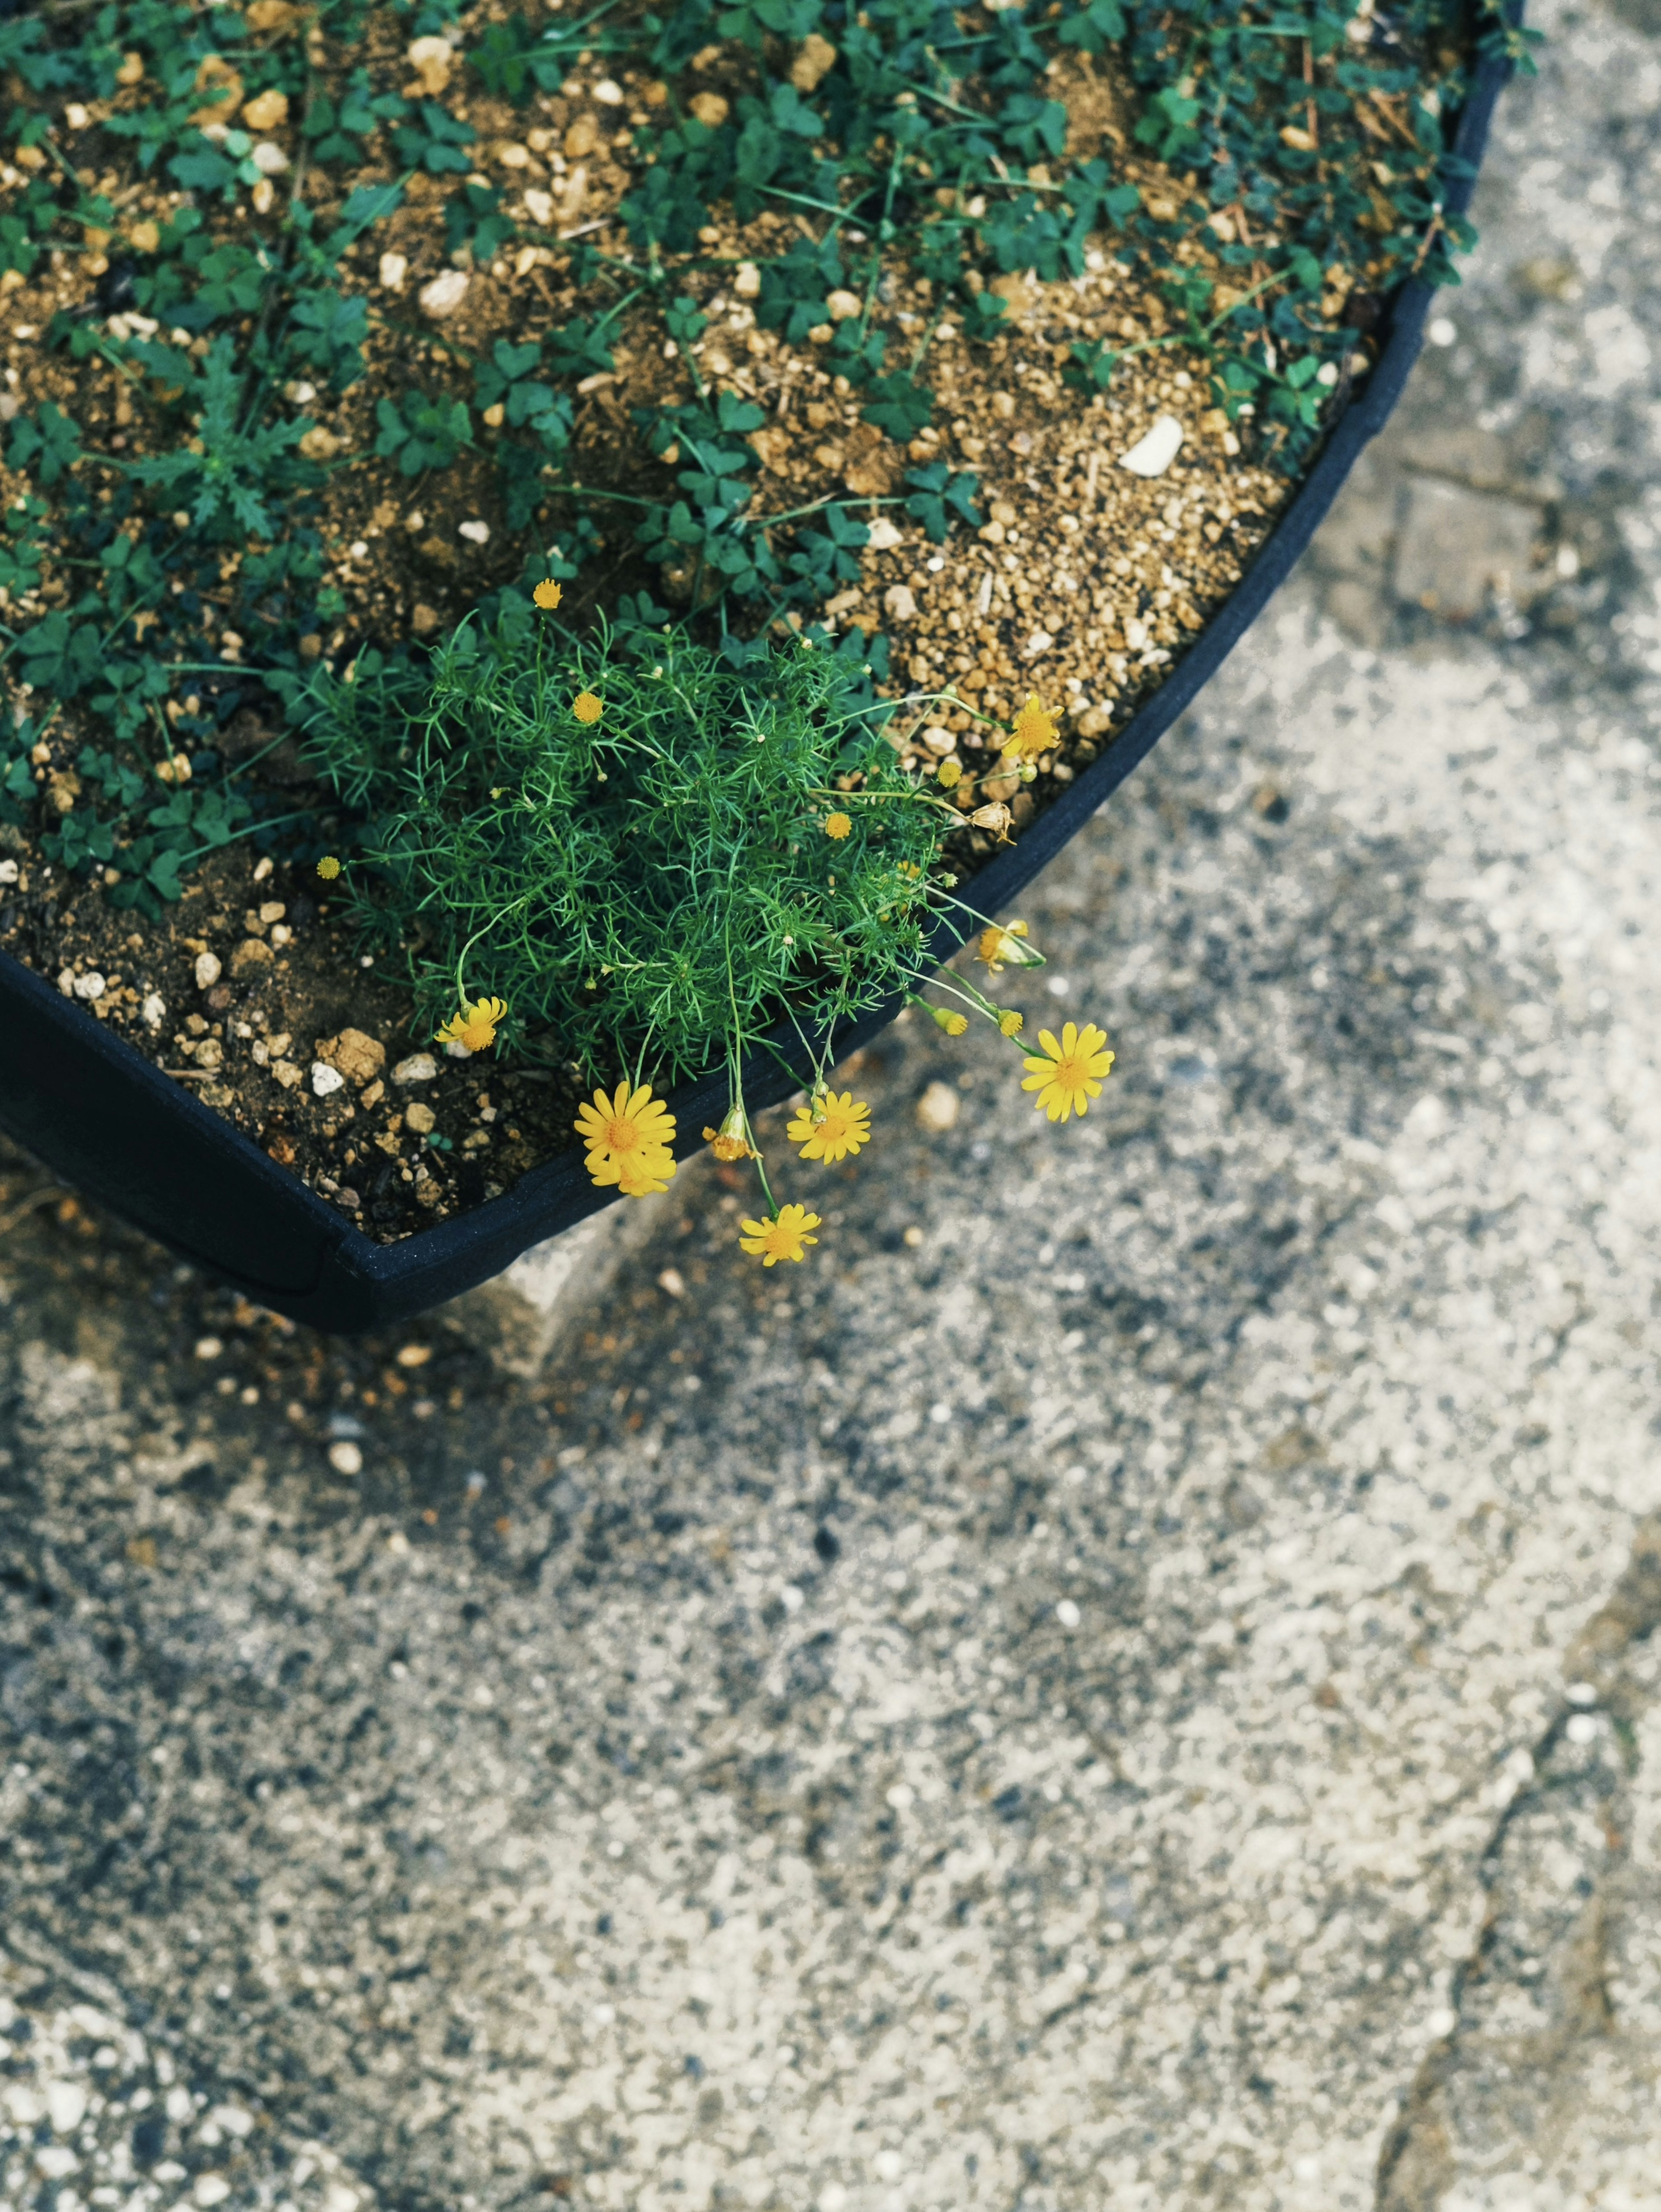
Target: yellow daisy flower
642, 1173
629, 1123
548, 594
588, 707
837, 825
474, 1025
1069, 1075
785, 1237
1034, 733
831, 1129
328, 867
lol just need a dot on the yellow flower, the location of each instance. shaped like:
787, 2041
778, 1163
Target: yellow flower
1010, 1023
1069, 1075
949, 772
831, 1129
837, 825
588, 707
474, 1026
950, 1019
328, 867
641, 1174
732, 1141
784, 1238
548, 594
1034, 733
630, 1125
997, 947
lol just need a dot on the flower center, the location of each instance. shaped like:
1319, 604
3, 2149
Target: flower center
1069, 1074
622, 1136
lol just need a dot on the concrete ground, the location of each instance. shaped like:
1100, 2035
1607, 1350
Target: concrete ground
1128, 1681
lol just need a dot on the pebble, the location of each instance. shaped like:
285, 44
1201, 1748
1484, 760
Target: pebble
939, 1108
153, 1011
476, 532
345, 1458
882, 535
419, 1067
394, 268
419, 1117
1151, 456
89, 986
327, 1080
66, 2107
207, 970
899, 603
7, 872
269, 160
443, 294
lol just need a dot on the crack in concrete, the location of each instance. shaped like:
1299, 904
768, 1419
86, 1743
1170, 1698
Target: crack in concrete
1416, 2162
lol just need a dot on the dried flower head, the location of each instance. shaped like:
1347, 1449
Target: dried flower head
548, 594
837, 825
996, 816
328, 867
1034, 733
474, 1025
783, 1238
1069, 1075
950, 1020
588, 707
831, 1129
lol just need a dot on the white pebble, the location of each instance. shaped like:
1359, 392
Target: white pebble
208, 1347
394, 268
1152, 456
89, 986
1442, 331
207, 970
939, 1108
66, 2107
154, 1010
899, 603
444, 295
345, 1459
66, 982
7, 872
212, 2189
478, 533
269, 160
327, 1080
57, 2161
608, 93
1067, 1614
1582, 1728
883, 536
419, 1067
888, 2164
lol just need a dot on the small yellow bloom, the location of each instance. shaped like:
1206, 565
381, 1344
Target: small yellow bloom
784, 1238
588, 707
732, 1140
950, 1019
998, 947
641, 1174
1034, 733
831, 1129
1010, 1022
1069, 1075
328, 867
950, 774
628, 1125
837, 825
548, 594
474, 1026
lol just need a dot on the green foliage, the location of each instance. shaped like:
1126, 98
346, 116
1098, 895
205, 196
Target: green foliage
648, 888
419, 432
226, 475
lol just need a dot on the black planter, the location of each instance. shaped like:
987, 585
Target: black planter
111, 1122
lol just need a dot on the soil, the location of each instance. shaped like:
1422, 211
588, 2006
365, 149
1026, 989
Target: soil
1084, 586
